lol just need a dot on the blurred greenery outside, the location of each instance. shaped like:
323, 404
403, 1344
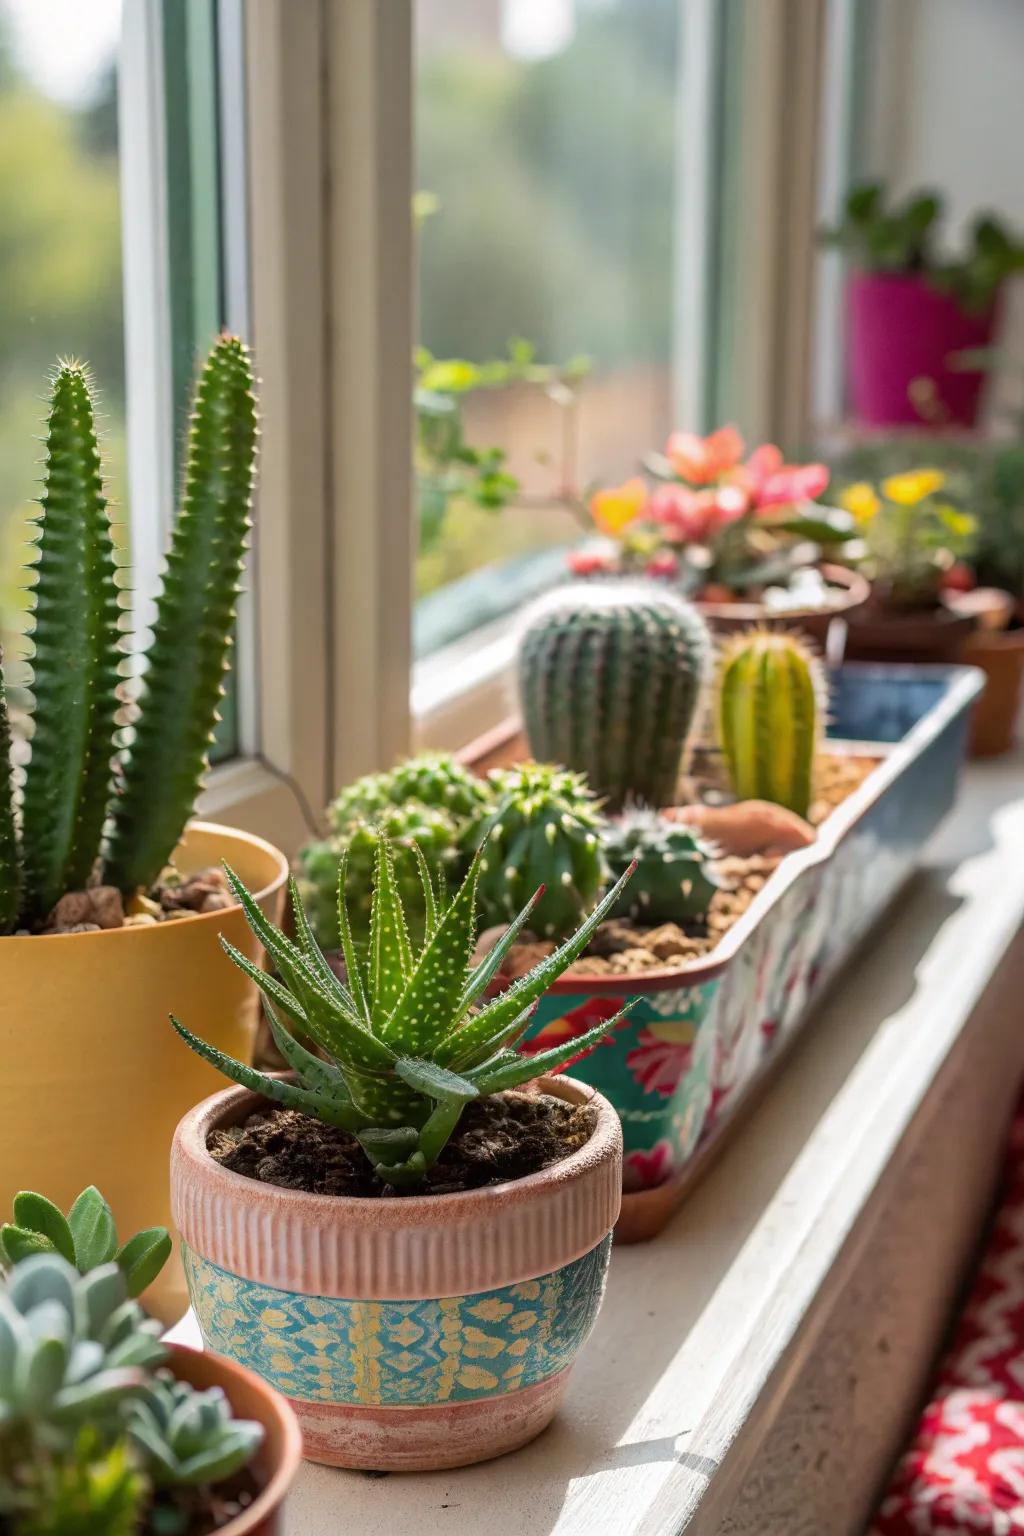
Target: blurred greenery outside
60, 295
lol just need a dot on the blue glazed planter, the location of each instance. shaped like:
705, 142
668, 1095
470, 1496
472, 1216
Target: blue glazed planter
699, 1038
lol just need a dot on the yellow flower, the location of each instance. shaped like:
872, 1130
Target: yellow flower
861, 500
914, 486
614, 509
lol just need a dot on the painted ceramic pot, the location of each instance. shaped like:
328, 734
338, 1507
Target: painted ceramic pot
83, 1026
407, 1333
278, 1457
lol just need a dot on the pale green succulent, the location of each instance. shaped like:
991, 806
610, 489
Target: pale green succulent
188, 1437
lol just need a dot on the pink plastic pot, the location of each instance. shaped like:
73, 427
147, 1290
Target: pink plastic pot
901, 333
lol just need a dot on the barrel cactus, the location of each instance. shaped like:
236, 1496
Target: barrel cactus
770, 707
433, 831
433, 779
543, 830
610, 679
674, 878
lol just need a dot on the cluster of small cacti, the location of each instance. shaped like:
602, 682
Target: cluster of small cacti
674, 878
410, 1038
92, 1428
542, 829
426, 801
95, 794
770, 711
610, 680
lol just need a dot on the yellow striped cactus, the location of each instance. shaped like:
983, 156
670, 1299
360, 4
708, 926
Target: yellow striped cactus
770, 708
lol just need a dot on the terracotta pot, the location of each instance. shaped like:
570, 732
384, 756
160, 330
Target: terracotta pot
933, 635
280, 1454
407, 1333
994, 719
727, 618
94, 1078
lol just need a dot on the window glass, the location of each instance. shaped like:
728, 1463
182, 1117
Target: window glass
546, 162
60, 250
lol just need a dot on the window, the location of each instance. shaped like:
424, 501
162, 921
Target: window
548, 158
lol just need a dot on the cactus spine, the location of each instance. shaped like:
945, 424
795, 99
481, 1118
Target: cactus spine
10, 861
543, 830
193, 634
673, 879
770, 707
610, 677
434, 779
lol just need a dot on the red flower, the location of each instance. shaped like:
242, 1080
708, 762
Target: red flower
703, 460
772, 482
664, 563
643, 1170
959, 578
661, 1056
570, 1026
694, 517
591, 562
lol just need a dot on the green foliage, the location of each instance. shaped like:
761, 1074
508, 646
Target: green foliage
75, 657
85, 1237
89, 1491
407, 1042
770, 707
673, 880
10, 859
411, 829
541, 830
433, 779
610, 679
193, 633
900, 238
187, 1437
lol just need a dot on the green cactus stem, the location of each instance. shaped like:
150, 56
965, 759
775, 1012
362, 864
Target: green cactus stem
674, 880
75, 656
193, 634
610, 677
433, 779
10, 862
542, 831
770, 707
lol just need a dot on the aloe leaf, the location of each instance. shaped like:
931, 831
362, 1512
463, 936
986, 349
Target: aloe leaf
507, 1035
434, 1082
308, 1101
41, 1215
388, 1146
429, 898
324, 1077
430, 1004
530, 988
186, 663
75, 657
10, 859
268, 985
390, 953
483, 974
92, 1227
495, 1079
142, 1258
357, 978
312, 951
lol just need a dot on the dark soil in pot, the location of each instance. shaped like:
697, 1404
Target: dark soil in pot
498, 1139
202, 1511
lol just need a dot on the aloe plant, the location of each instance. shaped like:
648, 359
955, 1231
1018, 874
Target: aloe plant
84, 775
410, 1040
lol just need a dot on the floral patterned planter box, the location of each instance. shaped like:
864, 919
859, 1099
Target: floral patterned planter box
699, 1040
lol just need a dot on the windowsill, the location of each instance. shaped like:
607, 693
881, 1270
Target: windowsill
464, 689
707, 1334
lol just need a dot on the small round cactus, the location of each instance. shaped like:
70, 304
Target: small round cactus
770, 707
433, 830
610, 678
543, 830
674, 880
433, 779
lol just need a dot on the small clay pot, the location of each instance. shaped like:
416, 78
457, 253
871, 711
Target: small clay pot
994, 719
408, 1333
929, 635
280, 1454
727, 618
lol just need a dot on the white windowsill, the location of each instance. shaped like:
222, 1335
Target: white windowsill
463, 689
708, 1332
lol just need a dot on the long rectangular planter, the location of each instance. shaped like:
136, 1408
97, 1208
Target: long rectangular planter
701, 1040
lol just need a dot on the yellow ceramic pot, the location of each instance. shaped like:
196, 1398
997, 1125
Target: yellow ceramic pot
93, 1079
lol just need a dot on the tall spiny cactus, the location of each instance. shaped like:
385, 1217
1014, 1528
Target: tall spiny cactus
771, 694
189, 655
75, 656
10, 862
610, 677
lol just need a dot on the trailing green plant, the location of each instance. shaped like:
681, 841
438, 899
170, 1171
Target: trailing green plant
84, 772
541, 829
86, 1237
92, 1429
411, 829
884, 237
411, 1039
610, 680
674, 878
434, 779
770, 708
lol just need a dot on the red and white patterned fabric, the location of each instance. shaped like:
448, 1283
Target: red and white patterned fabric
964, 1472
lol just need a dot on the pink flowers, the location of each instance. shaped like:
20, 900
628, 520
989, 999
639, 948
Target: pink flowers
773, 483
704, 460
694, 517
